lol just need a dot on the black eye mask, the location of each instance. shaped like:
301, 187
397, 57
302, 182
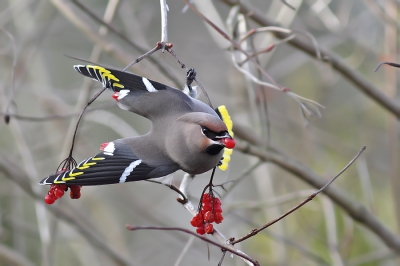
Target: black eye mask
213, 135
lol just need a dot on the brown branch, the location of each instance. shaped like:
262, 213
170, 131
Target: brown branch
70, 11
12, 171
308, 199
182, 200
141, 50
12, 257
234, 44
205, 239
386, 63
353, 208
334, 59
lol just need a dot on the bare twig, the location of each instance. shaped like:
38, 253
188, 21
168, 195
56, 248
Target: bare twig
205, 239
197, 81
11, 257
141, 50
335, 60
386, 63
184, 251
164, 21
311, 197
187, 179
140, 58
184, 199
54, 117
87, 230
353, 208
288, 5
12, 90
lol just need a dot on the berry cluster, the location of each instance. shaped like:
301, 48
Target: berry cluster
57, 191
210, 211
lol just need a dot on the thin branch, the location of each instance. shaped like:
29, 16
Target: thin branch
308, 199
386, 63
140, 58
141, 50
197, 81
287, 241
164, 21
54, 117
11, 257
183, 197
288, 5
353, 208
184, 251
334, 59
14, 65
205, 239
187, 179
14, 173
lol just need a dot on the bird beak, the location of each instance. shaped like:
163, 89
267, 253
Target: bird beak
227, 141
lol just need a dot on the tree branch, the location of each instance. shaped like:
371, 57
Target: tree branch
334, 59
12, 171
354, 209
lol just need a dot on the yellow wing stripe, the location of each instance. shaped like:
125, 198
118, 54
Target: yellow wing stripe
85, 166
105, 73
119, 85
75, 174
98, 158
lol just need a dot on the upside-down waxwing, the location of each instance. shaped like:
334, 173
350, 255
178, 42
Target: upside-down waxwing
185, 134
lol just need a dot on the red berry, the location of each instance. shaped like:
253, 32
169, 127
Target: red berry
217, 201
218, 217
200, 230
75, 188
75, 195
209, 228
217, 209
206, 207
49, 199
229, 143
206, 197
209, 217
58, 193
196, 221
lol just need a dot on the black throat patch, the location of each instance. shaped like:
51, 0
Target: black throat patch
214, 149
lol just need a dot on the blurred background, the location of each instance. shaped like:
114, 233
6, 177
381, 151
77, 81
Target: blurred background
336, 46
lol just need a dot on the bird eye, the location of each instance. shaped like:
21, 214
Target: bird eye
208, 133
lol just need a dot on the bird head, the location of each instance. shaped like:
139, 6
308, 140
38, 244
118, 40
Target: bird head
217, 140
196, 141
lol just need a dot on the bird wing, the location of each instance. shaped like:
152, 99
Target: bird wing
115, 164
140, 95
117, 80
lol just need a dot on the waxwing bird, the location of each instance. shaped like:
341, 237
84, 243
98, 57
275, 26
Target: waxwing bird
185, 134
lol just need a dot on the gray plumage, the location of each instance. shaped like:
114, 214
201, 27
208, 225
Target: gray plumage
185, 134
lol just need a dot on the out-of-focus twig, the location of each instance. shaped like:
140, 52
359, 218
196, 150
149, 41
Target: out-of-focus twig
353, 208
205, 239
162, 69
335, 60
308, 199
164, 21
12, 257
11, 171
